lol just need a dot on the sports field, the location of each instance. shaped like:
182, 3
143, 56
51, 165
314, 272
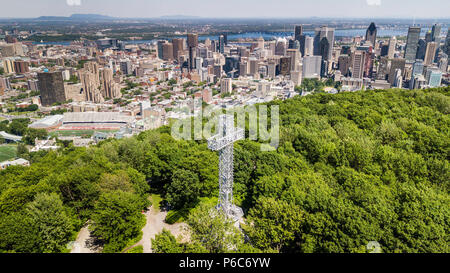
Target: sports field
7, 152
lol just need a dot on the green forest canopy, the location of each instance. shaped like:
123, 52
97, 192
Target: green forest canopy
351, 168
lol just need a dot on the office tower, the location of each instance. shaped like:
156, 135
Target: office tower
51, 86
298, 32
285, 66
344, 64
261, 43
412, 44
447, 43
309, 46
417, 70
421, 49
225, 39
253, 66
392, 46
294, 54
192, 56
226, 86
430, 52
192, 40
160, 48
358, 64
398, 78
243, 68
167, 51
396, 64
312, 67
324, 49
271, 69
8, 66
443, 64
125, 67
178, 47
218, 71
280, 47
418, 67
371, 34
221, 44
321, 33
296, 77
21, 67
436, 34
433, 77
428, 37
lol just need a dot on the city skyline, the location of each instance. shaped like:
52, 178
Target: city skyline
232, 9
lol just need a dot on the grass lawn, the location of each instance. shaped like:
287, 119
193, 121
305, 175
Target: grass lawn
81, 133
7, 152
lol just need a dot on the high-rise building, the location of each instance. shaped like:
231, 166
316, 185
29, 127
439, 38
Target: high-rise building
447, 43
371, 34
430, 52
192, 40
412, 44
421, 49
167, 51
358, 64
324, 49
298, 32
392, 46
436, 33
285, 66
433, 77
226, 86
178, 47
221, 44
125, 67
396, 64
312, 67
309, 46
321, 33
21, 67
398, 78
280, 47
294, 54
51, 87
160, 48
344, 64
8, 66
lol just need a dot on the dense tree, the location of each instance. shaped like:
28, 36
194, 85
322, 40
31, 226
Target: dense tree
117, 219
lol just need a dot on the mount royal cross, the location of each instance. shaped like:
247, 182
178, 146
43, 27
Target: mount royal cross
223, 142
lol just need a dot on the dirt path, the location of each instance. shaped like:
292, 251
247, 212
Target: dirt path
155, 224
85, 243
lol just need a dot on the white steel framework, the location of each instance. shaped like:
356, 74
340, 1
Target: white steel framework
223, 142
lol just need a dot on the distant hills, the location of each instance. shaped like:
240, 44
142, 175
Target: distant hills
76, 17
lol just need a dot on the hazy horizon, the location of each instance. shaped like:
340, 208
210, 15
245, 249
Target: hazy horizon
231, 9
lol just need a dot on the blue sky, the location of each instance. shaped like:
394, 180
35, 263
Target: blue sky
230, 8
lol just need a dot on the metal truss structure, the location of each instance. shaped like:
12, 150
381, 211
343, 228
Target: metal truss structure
223, 142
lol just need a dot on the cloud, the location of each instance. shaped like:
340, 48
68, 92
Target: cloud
73, 2
374, 2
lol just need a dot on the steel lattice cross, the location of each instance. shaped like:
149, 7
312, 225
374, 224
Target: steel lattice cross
223, 142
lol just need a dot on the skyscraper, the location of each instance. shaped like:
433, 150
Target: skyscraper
178, 47
371, 34
312, 67
309, 46
221, 44
430, 53
324, 32
412, 44
436, 33
160, 48
358, 64
421, 49
396, 64
192, 40
167, 51
51, 86
447, 43
298, 32
392, 46
280, 47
